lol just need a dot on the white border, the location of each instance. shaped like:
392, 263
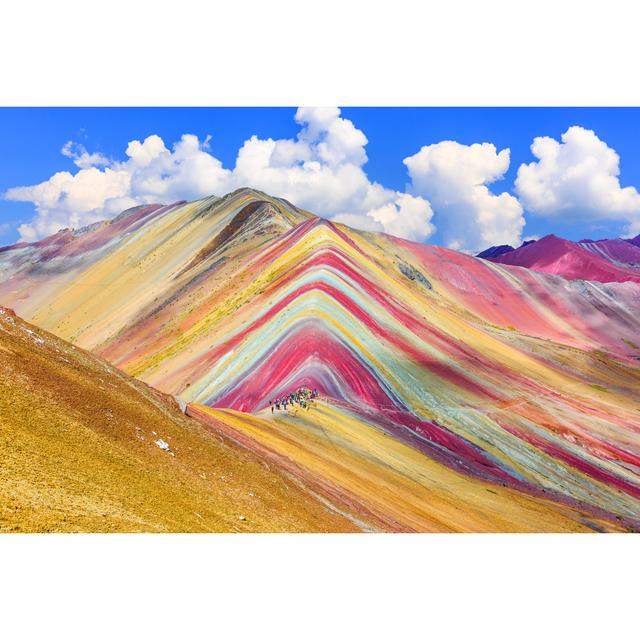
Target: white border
334, 52
322, 53
331, 586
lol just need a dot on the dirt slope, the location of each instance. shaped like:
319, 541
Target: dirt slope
78, 452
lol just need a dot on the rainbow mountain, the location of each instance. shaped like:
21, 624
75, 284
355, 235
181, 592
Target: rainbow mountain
456, 394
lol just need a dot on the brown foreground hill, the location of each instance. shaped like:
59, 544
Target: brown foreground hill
84, 447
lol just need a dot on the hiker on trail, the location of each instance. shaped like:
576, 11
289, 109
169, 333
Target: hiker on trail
303, 396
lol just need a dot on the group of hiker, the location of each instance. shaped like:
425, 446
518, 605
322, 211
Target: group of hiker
303, 397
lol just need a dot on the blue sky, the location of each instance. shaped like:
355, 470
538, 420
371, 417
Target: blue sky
31, 140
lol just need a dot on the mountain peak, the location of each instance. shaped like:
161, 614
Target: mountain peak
495, 251
552, 238
600, 262
634, 241
245, 192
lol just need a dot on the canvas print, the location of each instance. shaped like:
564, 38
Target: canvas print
319, 320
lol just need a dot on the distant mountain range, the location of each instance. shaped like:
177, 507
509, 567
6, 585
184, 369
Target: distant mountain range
614, 260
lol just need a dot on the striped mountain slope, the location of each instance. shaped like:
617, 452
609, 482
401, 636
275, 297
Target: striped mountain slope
491, 377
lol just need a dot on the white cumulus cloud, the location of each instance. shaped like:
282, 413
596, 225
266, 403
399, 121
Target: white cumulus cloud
320, 170
103, 188
81, 157
454, 178
576, 179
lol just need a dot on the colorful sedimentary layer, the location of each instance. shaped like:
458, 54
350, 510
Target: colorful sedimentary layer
621, 252
359, 461
493, 384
